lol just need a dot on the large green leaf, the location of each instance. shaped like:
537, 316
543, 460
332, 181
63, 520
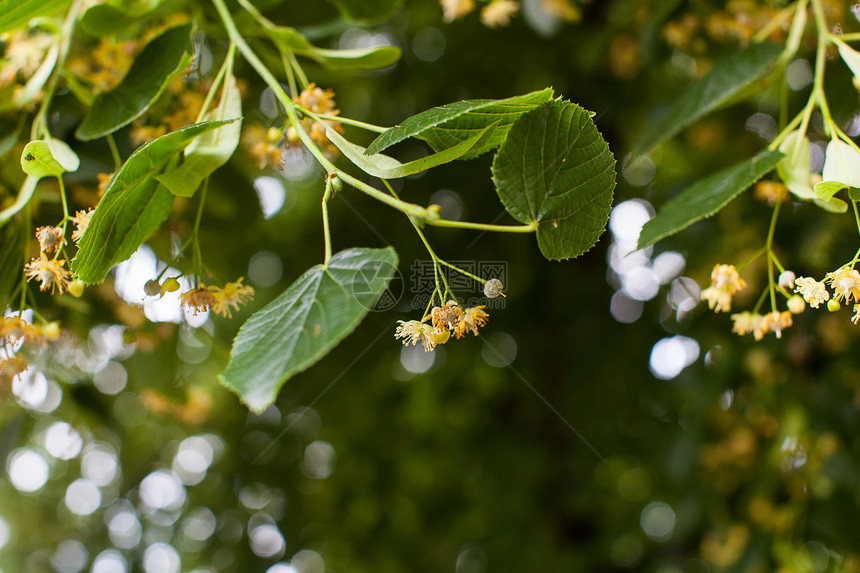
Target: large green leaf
386, 167
212, 149
555, 170
728, 78
707, 196
16, 13
368, 10
448, 125
106, 20
133, 206
161, 59
305, 322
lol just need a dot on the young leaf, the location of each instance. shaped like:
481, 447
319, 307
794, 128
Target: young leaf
161, 59
212, 149
48, 159
106, 20
841, 163
850, 56
16, 13
133, 206
448, 125
707, 196
368, 10
386, 167
356, 59
726, 80
793, 169
305, 322
24, 196
556, 171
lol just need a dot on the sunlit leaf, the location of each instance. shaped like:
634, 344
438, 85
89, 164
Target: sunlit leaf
371, 58
728, 78
151, 73
448, 125
48, 159
16, 13
385, 167
133, 206
212, 149
707, 196
793, 169
556, 171
305, 322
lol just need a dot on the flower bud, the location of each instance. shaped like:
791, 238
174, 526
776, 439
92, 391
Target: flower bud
51, 331
441, 336
152, 288
76, 288
336, 183
786, 280
833, 305
493, 288
170, 284
434, 213
796, 304
273, 134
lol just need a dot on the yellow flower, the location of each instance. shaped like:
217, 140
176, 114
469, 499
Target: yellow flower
414, 331
725, 282
199, 299
15, 328
776, 322
81, 221
51, 273
845, 283
856, 317
445, 317
771, 191
263, 147
317, 100
745, 322
498, 13
50, 239
233, 294
454, 9
812, 291
472, 318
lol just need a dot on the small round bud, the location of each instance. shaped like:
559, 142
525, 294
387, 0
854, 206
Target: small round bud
434, 213
336, 183
493, 288
76, 288
833, 305
441, 337
293, 136
796, 304
170, 284
51, 331
273, 134
152, 288
786, 280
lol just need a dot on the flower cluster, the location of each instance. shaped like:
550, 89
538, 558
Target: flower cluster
445, 320
222, 301
48, 269
845, 283
749, 322
321, 102
496, 13
725, 282
15, 333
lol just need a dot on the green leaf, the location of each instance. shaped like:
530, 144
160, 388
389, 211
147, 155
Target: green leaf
386, 167
48, 159
106, 20
16, 13
305, 322
707, 196
289, 39
448, 125
555, 170
726, 80
850, 56
133, 206
212, 149
24, 196
161, 59
841, 163
793, 169
368, 10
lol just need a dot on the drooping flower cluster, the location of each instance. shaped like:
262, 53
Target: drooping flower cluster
221, 301
748, 322
445, 320
725, 282
498, 13
320, 102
